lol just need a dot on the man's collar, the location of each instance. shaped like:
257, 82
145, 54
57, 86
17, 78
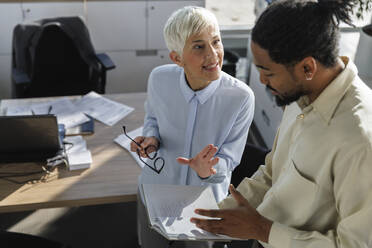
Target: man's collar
326, 103
202, 95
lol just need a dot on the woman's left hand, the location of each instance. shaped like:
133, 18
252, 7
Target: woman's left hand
203, 162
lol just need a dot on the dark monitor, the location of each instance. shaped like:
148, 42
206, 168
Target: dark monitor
29, 138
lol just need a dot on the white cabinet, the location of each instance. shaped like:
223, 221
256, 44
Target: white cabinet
267, 114
131, 33
158, 14
132, 70
117, 25
40, 10
10, 15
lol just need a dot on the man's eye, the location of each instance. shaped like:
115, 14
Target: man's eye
269, 75
198, 46
216, 42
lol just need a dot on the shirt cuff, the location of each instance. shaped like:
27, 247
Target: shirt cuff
152, 132
280, 235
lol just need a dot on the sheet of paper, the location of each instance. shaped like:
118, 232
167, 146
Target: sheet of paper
75, 144
170, 207
18, 110
67, 113
102, 109
178, 200
123, 141
64, 109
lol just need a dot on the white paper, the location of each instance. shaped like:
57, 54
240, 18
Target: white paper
78, 156
64, 109
67, 113
170, 208
75, 144
18, 110
123, 141
102, 109
79, 160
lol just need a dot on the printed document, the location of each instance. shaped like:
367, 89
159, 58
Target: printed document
102, 109
123, 141
170, 208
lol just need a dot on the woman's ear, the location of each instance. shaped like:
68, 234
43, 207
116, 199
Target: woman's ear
175, 58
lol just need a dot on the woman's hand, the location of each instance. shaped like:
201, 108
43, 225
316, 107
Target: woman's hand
150, 144
203, 162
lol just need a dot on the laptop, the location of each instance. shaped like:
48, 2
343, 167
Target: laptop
29, 138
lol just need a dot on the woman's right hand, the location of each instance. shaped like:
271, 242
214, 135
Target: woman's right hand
151, 142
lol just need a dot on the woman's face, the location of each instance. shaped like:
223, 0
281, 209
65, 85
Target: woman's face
202, 58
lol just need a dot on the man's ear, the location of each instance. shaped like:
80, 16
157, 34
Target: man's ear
308, 67
175, 58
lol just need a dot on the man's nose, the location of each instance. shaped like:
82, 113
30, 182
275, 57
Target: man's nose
263, 79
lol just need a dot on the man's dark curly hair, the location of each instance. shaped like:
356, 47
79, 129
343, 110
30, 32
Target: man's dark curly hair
291, 30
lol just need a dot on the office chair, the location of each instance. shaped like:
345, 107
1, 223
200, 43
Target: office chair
55, 57
229, 62
367, 29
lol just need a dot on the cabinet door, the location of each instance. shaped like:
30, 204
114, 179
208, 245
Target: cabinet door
133, 70
159, 12
36, 11
10, 15
267, 115
116, 25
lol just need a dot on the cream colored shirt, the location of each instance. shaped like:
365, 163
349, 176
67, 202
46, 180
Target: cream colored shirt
316, 184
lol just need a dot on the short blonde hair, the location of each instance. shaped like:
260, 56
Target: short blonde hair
186, 22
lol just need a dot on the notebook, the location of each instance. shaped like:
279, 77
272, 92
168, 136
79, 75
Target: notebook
29, 138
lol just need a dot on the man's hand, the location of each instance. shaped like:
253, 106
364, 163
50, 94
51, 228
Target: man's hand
203, 162
151, 142
242, 222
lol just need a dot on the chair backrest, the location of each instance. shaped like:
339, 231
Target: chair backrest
58, 57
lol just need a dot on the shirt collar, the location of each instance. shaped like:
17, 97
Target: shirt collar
202, 95
326, 103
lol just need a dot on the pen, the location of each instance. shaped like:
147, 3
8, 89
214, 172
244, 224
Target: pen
50, 109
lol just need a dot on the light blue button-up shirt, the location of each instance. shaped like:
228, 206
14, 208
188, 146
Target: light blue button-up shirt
185, 121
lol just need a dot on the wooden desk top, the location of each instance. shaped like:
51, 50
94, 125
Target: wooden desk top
111, 178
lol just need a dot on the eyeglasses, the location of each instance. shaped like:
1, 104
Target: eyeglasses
158, 162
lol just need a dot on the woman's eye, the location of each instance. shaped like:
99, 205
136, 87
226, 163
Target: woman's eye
216, 42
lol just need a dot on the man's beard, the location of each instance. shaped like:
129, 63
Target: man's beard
288, 99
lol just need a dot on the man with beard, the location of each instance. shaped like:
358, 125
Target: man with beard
315, 187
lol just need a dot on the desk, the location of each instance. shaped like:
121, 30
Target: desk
111, 178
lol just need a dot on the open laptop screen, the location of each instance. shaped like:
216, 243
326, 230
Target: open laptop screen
29, 138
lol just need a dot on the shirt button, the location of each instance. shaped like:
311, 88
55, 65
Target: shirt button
301, 116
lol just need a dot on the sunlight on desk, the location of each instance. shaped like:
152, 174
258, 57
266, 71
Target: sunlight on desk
111, 178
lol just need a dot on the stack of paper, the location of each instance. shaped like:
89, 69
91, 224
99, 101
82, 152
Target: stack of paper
170, 208
78, 156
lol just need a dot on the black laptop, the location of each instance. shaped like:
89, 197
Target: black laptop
29, 138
